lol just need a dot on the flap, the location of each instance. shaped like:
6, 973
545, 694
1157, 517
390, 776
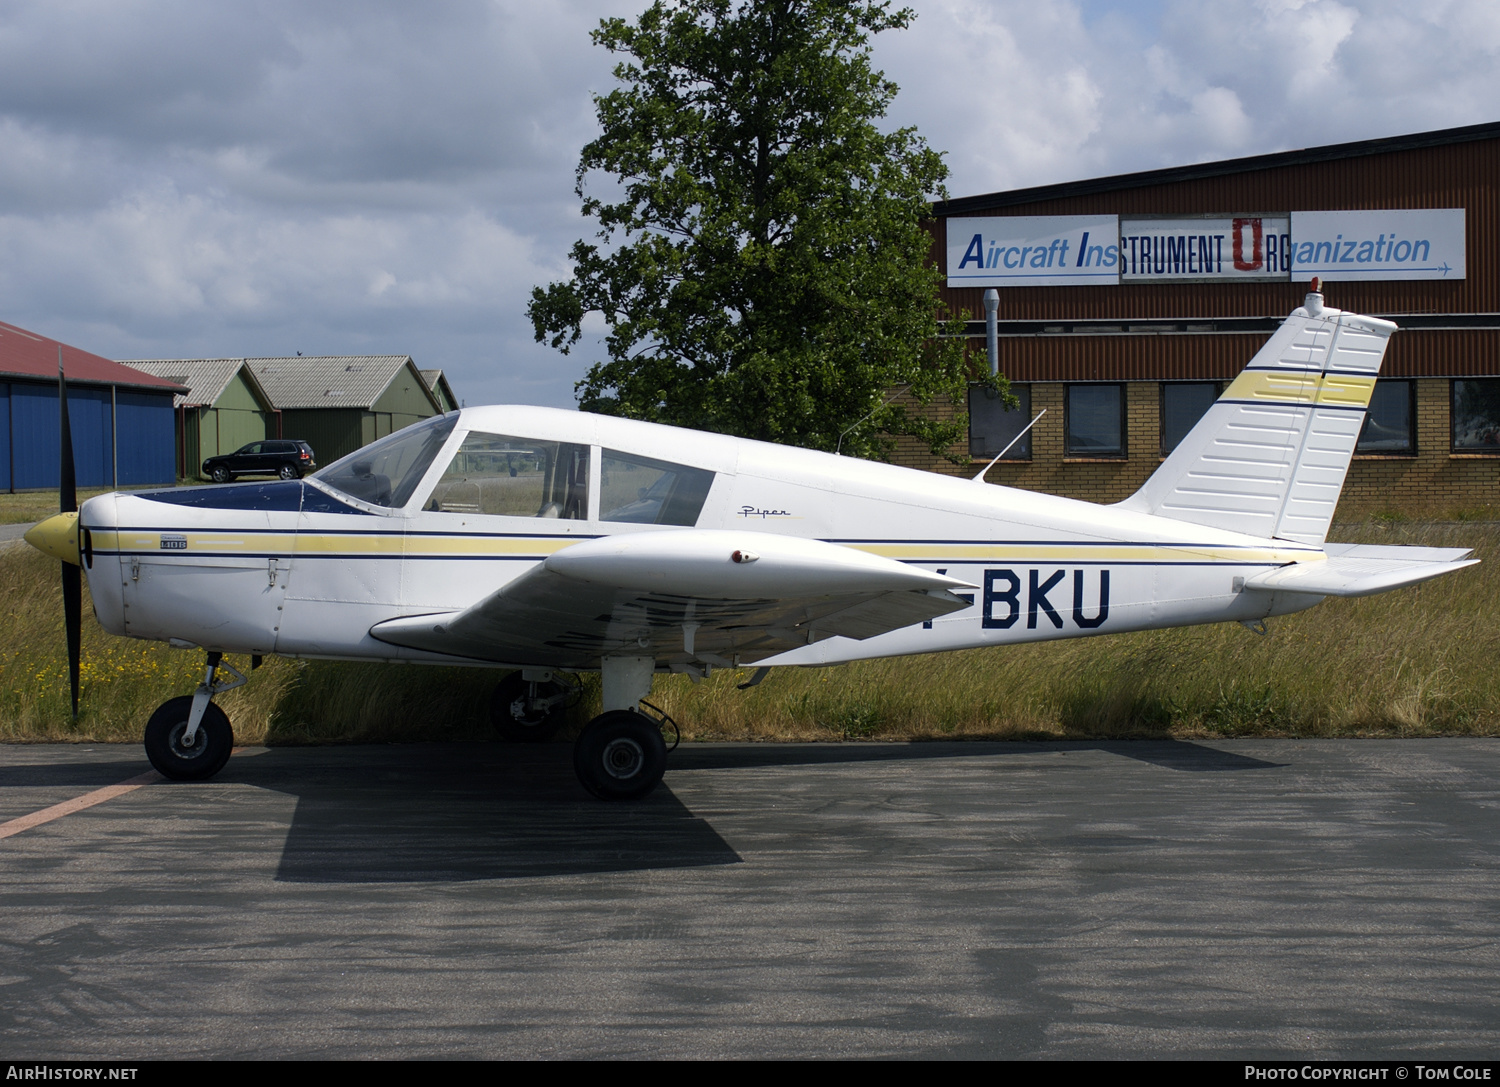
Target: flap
683, 597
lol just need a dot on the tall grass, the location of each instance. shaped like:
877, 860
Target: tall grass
1420, 661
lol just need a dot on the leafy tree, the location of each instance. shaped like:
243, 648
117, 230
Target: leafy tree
760, 262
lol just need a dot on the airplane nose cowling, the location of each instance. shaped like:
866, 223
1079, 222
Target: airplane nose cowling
57, 536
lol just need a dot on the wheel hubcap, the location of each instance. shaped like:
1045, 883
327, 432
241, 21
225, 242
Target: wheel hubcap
623, 758
180, 750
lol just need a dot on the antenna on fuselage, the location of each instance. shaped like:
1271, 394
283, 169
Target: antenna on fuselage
980, 477
899, 390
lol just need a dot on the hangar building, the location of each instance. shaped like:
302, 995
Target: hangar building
223, 409
336, 403
340, 403
1126, 303
120, 418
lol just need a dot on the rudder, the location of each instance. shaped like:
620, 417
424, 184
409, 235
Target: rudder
1270, 456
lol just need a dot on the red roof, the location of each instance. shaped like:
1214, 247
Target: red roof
25, 354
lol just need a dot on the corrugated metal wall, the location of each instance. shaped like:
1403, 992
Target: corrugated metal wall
147, 432
145, 443
1183, 357
332, 432
5, 457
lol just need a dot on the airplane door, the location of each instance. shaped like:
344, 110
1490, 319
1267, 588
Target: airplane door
348, 577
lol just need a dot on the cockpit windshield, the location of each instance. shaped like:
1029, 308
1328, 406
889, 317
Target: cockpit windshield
385, 473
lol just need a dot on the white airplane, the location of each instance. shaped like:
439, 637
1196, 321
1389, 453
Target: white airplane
553, 542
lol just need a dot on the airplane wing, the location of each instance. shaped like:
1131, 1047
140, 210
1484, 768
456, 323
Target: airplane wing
1362, 569
691, 597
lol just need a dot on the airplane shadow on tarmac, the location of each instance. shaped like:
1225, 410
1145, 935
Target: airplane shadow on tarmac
455, 812
472, 812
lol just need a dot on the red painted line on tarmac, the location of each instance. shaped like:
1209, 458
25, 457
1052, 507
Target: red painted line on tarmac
78, 803
89, 800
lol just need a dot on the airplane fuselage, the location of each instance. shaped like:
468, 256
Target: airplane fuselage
300, 569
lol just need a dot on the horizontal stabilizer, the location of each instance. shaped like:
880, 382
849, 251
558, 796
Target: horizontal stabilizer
1355, 570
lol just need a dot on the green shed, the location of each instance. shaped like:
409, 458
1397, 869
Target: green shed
441, 391
338, 403
223, 409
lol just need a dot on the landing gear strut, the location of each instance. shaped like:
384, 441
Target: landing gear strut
189, 738
621, 754
529, 706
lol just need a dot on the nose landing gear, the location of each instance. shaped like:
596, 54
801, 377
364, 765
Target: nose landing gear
529, 706
189, 738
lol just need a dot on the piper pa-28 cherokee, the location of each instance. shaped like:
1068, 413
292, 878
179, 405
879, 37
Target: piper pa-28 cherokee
554, 542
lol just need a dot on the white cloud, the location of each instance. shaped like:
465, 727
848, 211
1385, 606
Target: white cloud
1026, 92
179, 178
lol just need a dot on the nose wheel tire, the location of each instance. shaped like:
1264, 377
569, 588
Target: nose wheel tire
620, 756
523, 716
180, 762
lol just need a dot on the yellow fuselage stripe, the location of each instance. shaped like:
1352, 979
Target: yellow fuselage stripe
230, 543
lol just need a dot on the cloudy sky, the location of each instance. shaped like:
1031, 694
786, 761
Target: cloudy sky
181, 179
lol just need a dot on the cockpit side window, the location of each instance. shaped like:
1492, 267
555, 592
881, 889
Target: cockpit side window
514, 477
651, 492
385, 473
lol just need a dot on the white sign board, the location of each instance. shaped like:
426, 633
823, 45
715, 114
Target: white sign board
1357, 245
1033, 250
1241, 247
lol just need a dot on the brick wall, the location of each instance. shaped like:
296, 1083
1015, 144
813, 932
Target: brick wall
1433, 482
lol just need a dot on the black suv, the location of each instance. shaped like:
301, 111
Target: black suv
287, 459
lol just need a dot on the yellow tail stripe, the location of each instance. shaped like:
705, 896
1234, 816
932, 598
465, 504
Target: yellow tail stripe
1335, 390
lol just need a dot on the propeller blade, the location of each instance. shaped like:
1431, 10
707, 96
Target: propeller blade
72, 576
68, 483
72, 586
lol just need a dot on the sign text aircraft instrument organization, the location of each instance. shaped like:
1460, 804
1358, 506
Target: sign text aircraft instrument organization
1063, 250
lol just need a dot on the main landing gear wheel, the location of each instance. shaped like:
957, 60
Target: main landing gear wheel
620, 756
210, 748
524, 711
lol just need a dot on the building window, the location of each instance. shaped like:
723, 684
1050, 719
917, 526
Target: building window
992, 426
1388, 421
1096, 420
1476, 416
1182, 405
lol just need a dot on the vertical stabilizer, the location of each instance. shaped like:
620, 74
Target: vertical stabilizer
1269, 458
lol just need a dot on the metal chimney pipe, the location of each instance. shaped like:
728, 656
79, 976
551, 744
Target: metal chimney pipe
991, 329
